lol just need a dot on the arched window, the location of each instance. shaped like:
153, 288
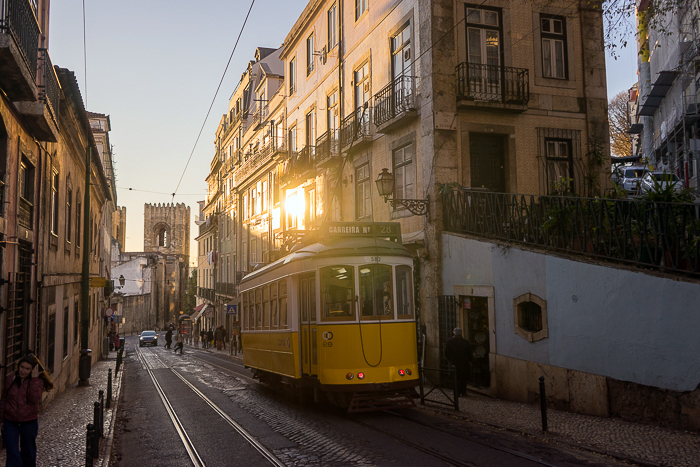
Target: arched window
162, 237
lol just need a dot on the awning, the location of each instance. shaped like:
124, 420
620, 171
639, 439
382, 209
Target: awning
659, 89
202, 309
199, 307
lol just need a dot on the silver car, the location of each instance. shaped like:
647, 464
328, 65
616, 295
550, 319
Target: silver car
631, 177
661, 179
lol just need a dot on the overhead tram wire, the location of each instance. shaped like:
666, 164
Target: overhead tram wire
214, 99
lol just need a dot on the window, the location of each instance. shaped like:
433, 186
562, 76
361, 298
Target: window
51, 348
65, 331
309, 54
78, 213
266, 306
26, 181
54, 202
76, 319
401, 52
254, 250
258, 308
246, 212
362, 86
283, 303
162, 237
69, 215
360, 8
311, 203
332, 117
404, 292
553, 34
292, 76
338, 293
483, 50
530, 317
311, 130
404, 173
265, 195
363, 202
333, 26
559, 153
293, 139
274, 317
376, 292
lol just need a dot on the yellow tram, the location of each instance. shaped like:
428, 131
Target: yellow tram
336, 315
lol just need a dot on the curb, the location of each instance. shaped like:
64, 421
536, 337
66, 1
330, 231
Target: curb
107, 449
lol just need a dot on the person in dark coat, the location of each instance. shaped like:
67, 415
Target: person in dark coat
458, 351
210, 337
168, 338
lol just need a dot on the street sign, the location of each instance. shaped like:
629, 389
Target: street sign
232, 310
98, 282
109, 312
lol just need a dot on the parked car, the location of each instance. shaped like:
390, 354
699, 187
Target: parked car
661, 179
631, 177
148, 338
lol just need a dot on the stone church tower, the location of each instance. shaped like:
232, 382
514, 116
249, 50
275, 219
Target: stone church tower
166, 228
166, 237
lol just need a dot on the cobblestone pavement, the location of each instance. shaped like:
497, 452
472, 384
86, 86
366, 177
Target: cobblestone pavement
62, 425
642, 444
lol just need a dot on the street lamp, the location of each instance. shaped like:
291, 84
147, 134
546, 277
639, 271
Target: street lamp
385, 187
122, 281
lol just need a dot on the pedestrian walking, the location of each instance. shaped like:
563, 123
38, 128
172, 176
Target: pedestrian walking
178, 343
116, 341
210, 337
458, 351
19, 410
219, 337
168, 338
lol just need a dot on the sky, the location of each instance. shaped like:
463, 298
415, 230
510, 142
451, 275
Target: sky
154, 67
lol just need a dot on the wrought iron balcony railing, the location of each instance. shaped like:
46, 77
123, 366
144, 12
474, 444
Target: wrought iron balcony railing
396, 98
356, 126
49, 89
18, 20
327, 145
493, 83
25, 213
664, 236
298, 164
253, 162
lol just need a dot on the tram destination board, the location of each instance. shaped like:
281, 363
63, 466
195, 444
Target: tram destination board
390, 230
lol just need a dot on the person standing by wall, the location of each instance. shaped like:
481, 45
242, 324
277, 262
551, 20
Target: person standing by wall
458, 351
219, 337
168, 338
19, 410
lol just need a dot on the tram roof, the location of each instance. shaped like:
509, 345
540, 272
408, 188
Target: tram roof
337, 247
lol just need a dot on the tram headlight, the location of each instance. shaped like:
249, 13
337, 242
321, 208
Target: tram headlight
408, 371
360, 375
402, 373
349, 376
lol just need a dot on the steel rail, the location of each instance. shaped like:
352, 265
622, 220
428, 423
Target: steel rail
186, 441
489, 445
257, 445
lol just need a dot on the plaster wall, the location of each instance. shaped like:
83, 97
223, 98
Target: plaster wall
602, 320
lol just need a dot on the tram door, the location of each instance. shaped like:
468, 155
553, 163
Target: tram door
307, 315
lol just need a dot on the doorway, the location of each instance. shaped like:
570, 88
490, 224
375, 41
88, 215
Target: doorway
475, 319
487, 161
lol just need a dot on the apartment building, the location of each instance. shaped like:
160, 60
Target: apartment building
503, 96
669, 90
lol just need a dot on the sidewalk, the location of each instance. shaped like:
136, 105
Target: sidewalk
63, 424
646, 445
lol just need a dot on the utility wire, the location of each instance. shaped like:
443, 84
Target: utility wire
214, 99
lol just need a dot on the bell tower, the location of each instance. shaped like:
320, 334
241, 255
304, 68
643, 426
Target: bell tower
166, 228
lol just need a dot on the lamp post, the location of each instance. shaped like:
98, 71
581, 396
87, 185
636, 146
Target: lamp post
385, 187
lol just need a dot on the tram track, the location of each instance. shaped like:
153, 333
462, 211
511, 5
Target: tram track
179, 427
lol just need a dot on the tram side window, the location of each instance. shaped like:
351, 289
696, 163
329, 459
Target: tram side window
266, 306
283, 303
244, 311
258, 308
404, 292
376, 291
338, 289
273, 306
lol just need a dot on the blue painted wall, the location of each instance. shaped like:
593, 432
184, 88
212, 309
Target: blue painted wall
602, 320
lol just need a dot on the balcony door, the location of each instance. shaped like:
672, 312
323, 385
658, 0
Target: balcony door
484, 53
487, 161
401, 66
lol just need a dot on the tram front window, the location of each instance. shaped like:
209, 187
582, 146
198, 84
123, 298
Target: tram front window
338, 286
376, 291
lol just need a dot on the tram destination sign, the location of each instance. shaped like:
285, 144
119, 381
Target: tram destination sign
390, 230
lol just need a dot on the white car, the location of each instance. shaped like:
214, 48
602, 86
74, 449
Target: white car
661, 179
631, 177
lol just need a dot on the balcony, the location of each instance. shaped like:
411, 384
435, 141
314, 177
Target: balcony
299, 166
252, 163
357, 130
278, 146
394, 104
19, 39
492, 87
207, 294
327, 149
41, 116
224, 288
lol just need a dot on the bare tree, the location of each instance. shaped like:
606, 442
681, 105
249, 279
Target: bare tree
618, 119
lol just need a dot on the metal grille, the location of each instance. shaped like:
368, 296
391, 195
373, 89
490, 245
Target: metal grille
447, 321
397, 97
493, 83
18, 19
15, 320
